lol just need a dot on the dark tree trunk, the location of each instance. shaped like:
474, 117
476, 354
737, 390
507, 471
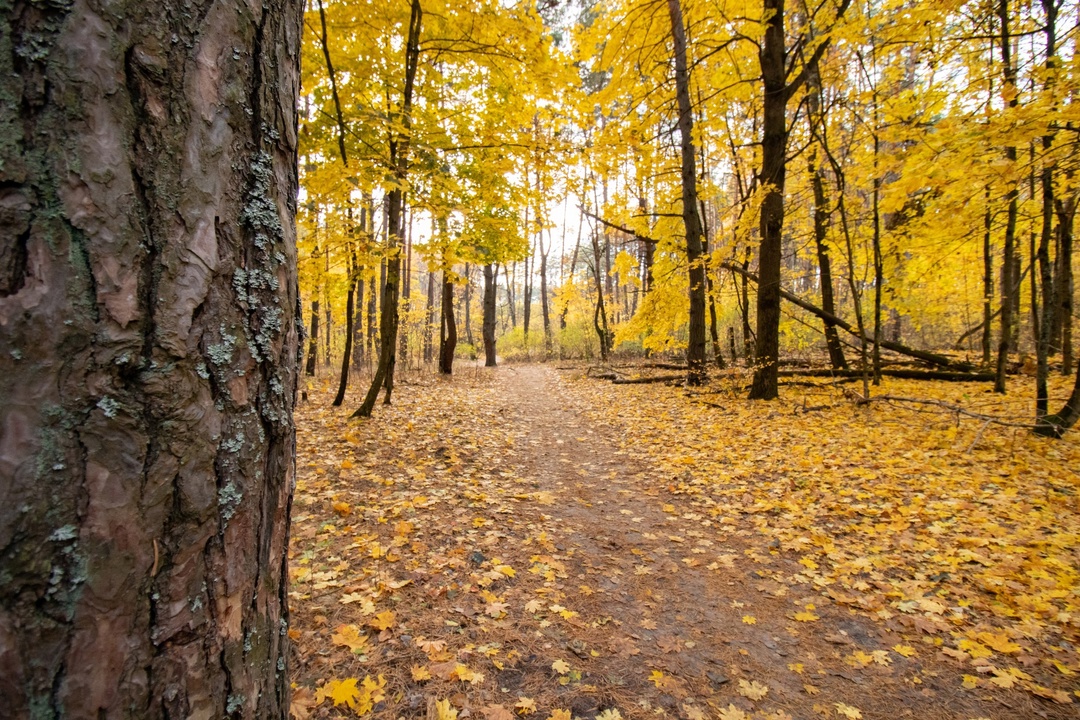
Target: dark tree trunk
511, 278
544, 309
695, 349
346, 357
491, 284
988, 284
399, 160
313, 340
773, 170
149, 369
1045, 326
429, 318
447, 326
468, 303
777, 91
1064, 283
821, 226
599, 312
358, 323
329, 316
1009, 294
526, 309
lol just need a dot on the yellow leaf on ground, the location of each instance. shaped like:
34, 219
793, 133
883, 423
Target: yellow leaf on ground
905, 650
350, 637
420, 673
806, 616
853, 713
383, 621
443, 711
970, 682
560, 666
749, 619
732, 713
525, 706
811, 689
999, 642
559, 715
753, 690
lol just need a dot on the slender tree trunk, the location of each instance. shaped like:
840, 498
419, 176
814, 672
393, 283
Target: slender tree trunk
491, 285
599, 313
695, 348
544, 309
447, 326
1009, 293
326, 306
1064, 285
313, 339
468, 306
1046, 270
526, 310
988, 284
399, 160
406, 292
511, 278
346, 357
748, 339
147, 375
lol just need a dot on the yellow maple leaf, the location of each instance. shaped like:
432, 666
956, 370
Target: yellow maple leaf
749, 619
525, 706
1058, 696
975, 649
383, 621
806, 616
881, 657
342, 508
444, 711
999, 642
560, 666
559, 715
905, 650
342, 692
732, 713
848, 711
970, 682
796, 668
506, 570
465, 674
753, 690
420, 673
350, 637
1063, 668
811, 689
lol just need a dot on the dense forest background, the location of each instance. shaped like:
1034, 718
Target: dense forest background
619, 176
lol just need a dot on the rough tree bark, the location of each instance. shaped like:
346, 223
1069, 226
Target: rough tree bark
488, 329
313, 340
150, 321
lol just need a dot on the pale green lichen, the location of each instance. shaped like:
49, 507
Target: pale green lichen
229, 498
108, 406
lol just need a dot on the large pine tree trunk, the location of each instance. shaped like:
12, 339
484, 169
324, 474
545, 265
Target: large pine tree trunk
149, 320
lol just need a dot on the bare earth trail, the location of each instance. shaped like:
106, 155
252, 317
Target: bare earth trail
532, 556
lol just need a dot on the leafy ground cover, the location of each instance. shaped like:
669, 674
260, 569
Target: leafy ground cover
531, 542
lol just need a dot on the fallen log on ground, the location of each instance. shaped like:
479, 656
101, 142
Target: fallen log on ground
929, 357
646, 380
904, 374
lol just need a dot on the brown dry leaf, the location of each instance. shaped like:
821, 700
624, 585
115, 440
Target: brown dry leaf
497, 712
301, 703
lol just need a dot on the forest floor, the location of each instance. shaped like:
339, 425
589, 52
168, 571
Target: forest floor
527, 541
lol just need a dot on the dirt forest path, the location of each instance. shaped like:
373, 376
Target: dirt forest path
498, 545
